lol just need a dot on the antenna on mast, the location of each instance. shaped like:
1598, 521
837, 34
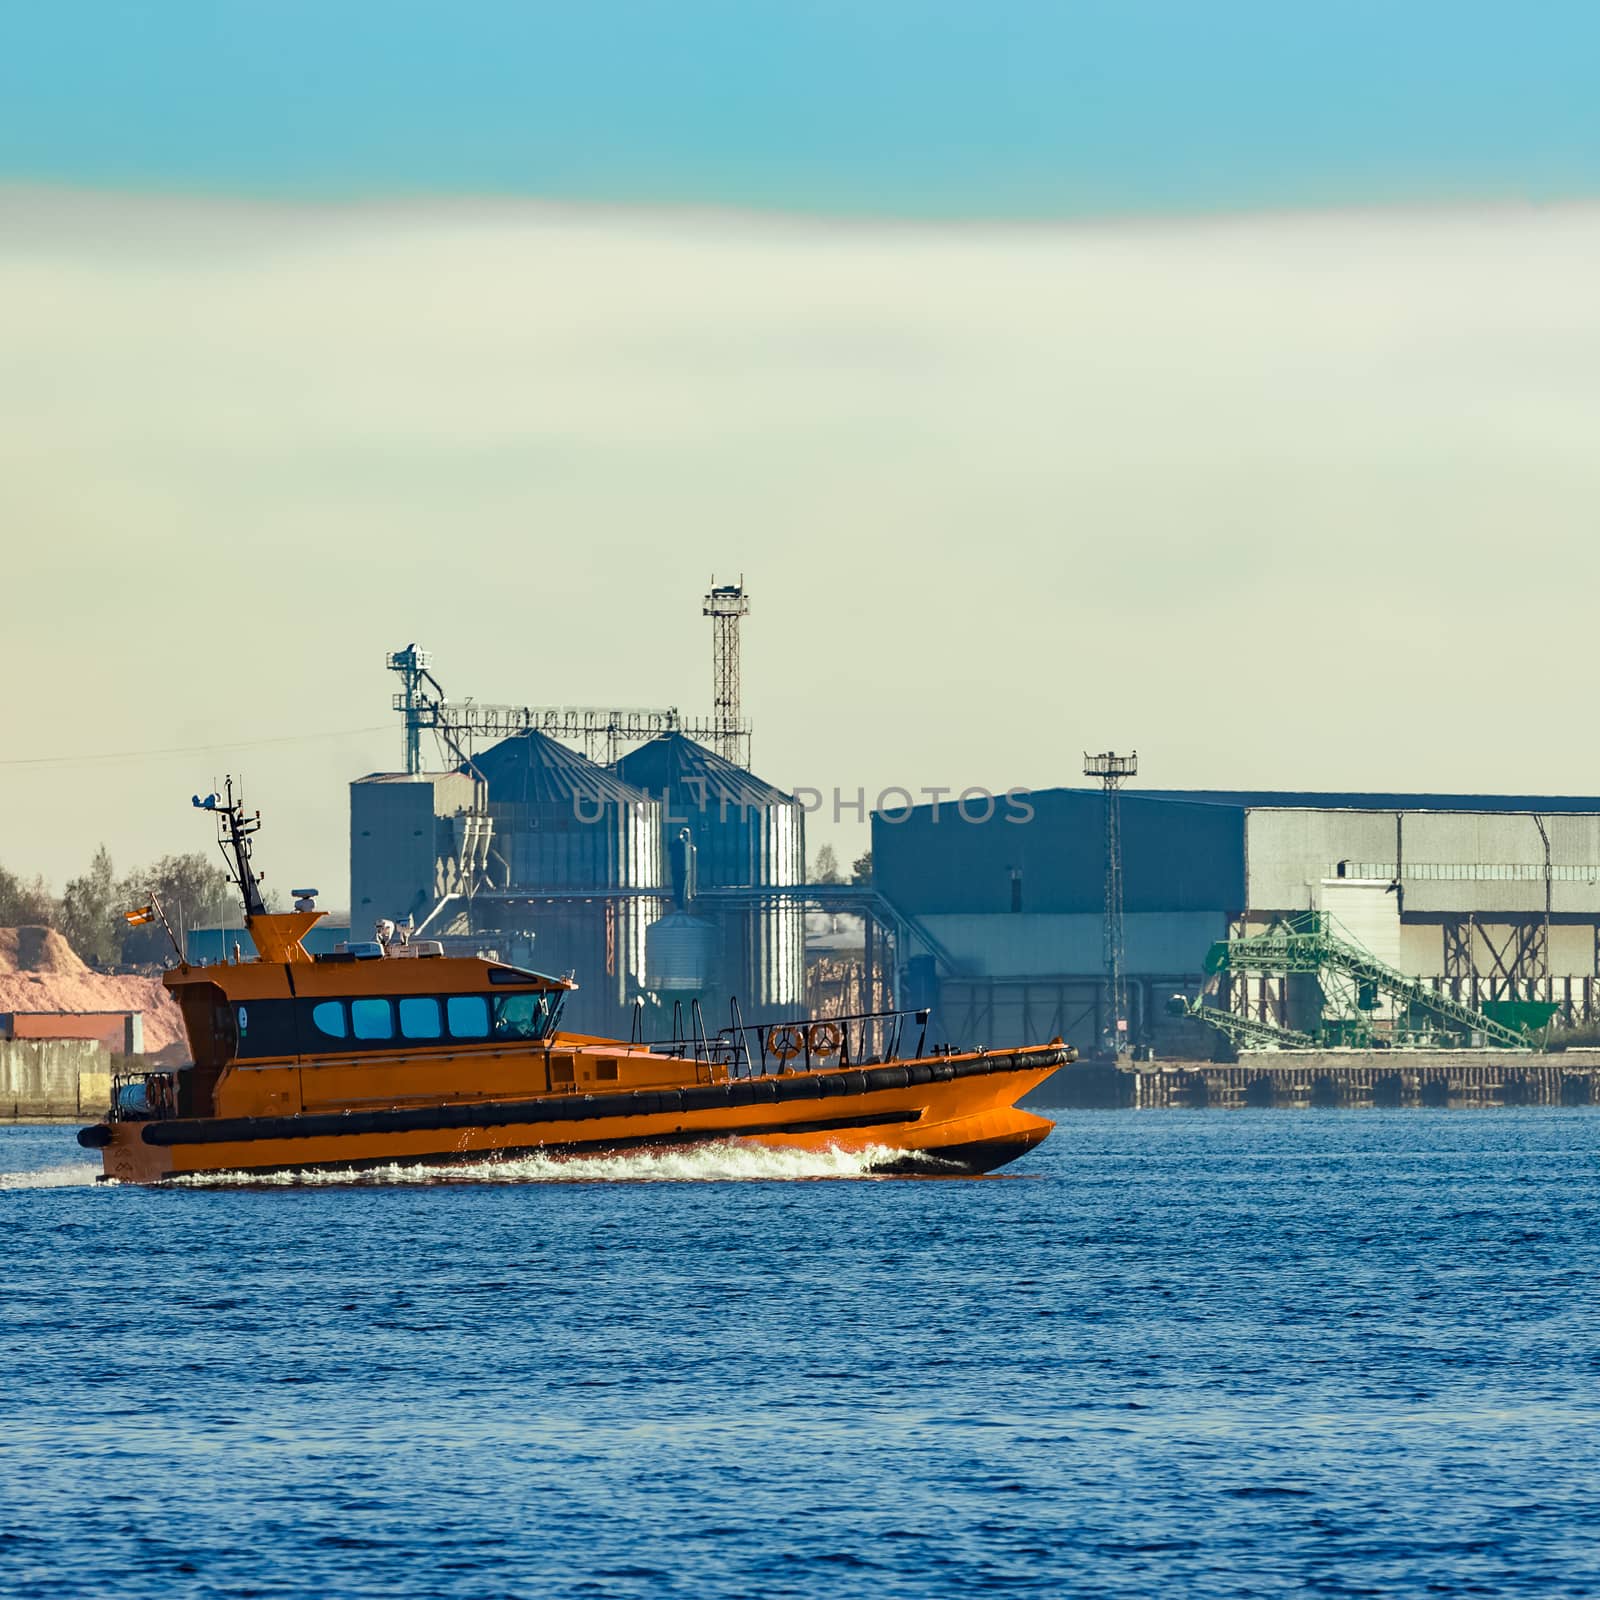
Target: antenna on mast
234, 831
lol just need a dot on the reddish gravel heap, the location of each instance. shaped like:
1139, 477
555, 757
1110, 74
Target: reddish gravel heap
39, 971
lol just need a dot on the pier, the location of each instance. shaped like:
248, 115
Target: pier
1329, 1078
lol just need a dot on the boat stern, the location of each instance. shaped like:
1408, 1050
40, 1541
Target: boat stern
125, 1157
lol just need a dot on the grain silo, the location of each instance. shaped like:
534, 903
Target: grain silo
744, 836
576, 850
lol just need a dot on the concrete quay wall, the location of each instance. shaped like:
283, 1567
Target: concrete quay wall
53, 1080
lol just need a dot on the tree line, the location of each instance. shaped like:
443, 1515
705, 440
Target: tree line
88, 911
825, 869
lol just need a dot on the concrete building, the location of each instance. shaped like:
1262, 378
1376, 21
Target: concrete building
1490, 897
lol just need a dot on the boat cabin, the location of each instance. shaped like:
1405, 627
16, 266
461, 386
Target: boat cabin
336, 1006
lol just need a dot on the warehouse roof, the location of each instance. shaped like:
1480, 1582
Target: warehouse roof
1317, 800
1240, 800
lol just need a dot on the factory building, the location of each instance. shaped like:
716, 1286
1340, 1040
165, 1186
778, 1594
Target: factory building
657, 880
1487, 898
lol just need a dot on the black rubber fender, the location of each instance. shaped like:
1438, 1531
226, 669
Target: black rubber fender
887, 1078
704, 1097
806, 1086
95, 1138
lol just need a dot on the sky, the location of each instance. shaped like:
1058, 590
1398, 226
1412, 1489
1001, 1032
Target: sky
1219, 382
931, 108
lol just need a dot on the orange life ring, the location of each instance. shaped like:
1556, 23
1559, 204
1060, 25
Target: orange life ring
786, 1042
824, 1039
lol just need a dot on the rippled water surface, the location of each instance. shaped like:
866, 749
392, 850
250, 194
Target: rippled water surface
1175, 1353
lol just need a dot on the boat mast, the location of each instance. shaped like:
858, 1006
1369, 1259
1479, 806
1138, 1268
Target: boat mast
234, 830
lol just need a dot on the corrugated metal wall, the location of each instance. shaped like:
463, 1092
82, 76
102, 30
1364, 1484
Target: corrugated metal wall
1043, 944
1575, 856
756, 845
1288, 853
551, 846
765, 947
1459, 863
1368, 911
1176, 856
747, 835
975, 1012
1180, 856
1449, 862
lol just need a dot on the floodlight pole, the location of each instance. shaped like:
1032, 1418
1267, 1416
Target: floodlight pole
1113, 771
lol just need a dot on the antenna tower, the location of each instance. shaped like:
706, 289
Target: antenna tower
1113, 771
727, 605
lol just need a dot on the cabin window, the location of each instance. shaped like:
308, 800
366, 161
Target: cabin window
468, 1015
371, 1019
419, 1017
327, 1016
520, 1016
605, 1071
264, 1028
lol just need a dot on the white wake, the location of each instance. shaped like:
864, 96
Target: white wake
69, 1177
708, 1163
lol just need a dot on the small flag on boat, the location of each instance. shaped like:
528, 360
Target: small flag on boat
137, 919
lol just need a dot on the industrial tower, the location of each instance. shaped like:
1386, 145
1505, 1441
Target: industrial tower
1113, 771
726, 605
412, 702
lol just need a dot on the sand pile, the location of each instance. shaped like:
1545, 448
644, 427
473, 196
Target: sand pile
40, 950
40, 971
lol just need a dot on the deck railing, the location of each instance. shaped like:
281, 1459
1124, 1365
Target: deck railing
799, 1044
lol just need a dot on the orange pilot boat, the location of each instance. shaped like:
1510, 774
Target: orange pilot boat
392, 1053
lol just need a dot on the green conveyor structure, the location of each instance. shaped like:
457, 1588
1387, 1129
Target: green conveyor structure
1312, 942
1248, 1033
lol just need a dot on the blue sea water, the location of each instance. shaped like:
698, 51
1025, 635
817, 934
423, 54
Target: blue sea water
1211, 1354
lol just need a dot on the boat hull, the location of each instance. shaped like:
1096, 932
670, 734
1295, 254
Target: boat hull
946, 1115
